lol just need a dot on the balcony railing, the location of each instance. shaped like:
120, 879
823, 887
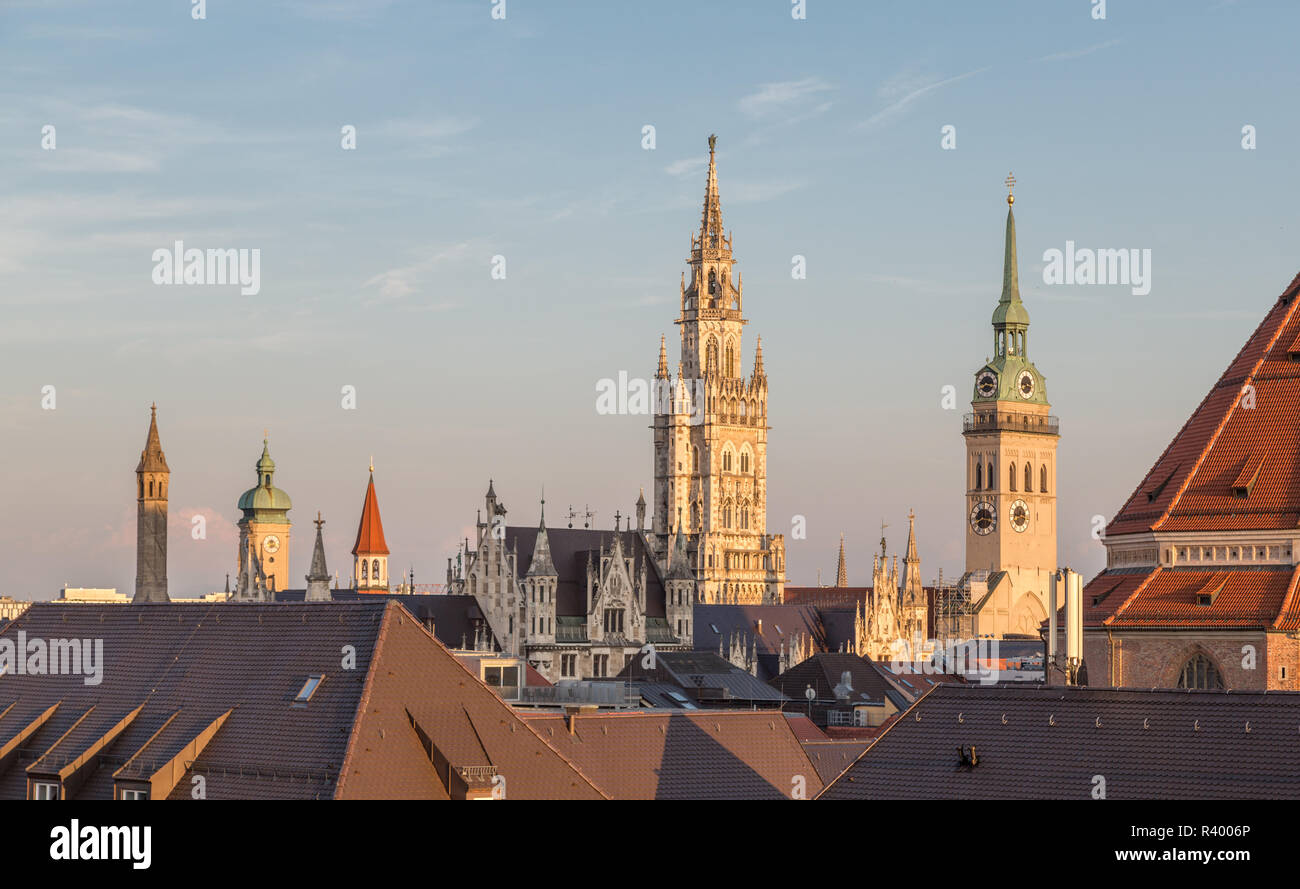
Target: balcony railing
1039, 424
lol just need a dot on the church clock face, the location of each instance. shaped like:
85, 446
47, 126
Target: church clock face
1025, 384
271, 543
986, 384
1019, 515
983, 518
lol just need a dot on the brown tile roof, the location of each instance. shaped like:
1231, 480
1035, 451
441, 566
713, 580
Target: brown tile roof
212, 688
370, 531
1051, 743
1197, 484
1263, 596
679, 754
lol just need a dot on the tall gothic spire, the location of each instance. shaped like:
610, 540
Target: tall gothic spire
758, 359
1010, 309
842, 573
711, 221
662, 373
370, 533
151, 458
542, 564
318, 578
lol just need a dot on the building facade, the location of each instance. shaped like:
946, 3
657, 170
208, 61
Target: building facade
576, 603
1010, 474
710, 430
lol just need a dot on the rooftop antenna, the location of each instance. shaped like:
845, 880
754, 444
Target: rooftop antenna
589, 516
572, 515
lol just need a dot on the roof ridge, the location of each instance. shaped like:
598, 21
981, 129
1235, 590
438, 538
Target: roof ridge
363, 700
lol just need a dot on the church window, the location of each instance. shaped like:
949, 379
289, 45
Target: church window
364, 568
990, 475
730, 366
744, 459
713, 282
374, 569
1200, 672
150, 487
695, 455
1012, 475
1042, 480
711, 357
979, 474
726, 461
142, 488
1029, 478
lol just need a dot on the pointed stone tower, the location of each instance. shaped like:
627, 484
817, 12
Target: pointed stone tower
539, 585
151, 477
679, 583
318, 579
842, 573
370, 552
913, 606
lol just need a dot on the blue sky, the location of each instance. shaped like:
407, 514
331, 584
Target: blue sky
522, 138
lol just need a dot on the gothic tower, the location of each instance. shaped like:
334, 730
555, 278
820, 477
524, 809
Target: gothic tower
263, 536
842, 570
1010, 472
370, 552
710, 430
913, 608
151, 478
318, 578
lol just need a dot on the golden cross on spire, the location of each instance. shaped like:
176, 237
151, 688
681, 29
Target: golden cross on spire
372, 462
1010, 183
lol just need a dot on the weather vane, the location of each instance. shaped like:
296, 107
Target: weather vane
1011, 184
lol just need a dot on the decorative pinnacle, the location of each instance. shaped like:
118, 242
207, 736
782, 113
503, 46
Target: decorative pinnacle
319, 521
1010, 182
372, 462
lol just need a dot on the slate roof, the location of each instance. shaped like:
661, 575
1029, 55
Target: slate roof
705, 678
827, 628
830, 758
823, 673
1051, 743
455, 619
1227, 442
209, 689
681, 754
1266, 596
570, 549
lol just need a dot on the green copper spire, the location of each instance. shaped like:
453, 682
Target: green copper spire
1010, 309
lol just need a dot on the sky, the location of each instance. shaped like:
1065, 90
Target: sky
523, 138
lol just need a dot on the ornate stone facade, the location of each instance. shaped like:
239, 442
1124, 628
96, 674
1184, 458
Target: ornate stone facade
575, 603
710, 431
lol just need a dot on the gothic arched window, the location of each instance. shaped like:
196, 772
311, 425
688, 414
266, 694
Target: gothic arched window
711, 356
695, 455
1029, 478
1011, 474
713, 281
990, 476
374, 569
364, 568
1042, 480
744, 461
726, 461
979, 475
730, 366
1200, 672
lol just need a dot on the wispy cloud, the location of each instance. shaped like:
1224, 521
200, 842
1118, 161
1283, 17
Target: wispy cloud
783, 96
402, 281
903, 90
1077, 53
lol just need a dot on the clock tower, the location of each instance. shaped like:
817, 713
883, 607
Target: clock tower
1010, 473
263, 537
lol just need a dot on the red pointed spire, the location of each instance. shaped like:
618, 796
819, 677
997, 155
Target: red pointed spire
370, 533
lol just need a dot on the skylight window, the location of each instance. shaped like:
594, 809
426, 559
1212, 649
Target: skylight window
715, 629
308, 689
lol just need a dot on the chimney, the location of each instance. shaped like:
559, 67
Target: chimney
572, 712
759, 624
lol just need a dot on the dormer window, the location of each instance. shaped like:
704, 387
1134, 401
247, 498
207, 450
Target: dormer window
1246, 478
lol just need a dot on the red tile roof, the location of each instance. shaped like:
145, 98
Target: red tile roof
1237, 438
370, 533
1264, 596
